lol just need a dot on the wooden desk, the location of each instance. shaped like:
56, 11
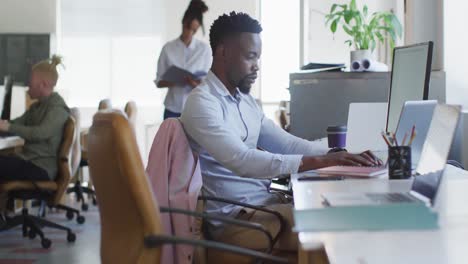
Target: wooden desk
11, 144
448, 244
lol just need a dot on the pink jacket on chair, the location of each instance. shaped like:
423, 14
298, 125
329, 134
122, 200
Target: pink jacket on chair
175, 177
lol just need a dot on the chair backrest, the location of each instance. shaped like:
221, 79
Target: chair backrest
128, 210
131, 111
105, 104
76, 147
64, 153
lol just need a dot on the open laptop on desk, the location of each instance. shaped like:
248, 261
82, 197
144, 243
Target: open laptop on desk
430, 168
417, 114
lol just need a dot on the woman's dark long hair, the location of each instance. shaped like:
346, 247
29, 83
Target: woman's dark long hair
195, 10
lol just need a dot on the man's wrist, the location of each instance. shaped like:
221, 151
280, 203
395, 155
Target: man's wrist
333, 150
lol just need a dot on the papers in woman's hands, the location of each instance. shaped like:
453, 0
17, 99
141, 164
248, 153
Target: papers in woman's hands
177, 75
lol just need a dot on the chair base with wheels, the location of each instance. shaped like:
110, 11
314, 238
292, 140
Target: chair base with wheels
80, 190
33, 225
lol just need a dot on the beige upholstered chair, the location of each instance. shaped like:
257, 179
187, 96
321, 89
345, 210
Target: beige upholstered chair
131, 112
105, 104
77, 162
130, 216
78, 189
76, 147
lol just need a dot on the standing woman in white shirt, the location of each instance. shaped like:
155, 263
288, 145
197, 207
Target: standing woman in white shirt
185, 52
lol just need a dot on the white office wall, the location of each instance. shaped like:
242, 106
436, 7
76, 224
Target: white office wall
215, 8
27, 16
424, 22
323, 46
455, 52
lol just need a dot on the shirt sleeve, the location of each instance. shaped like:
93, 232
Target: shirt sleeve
163, 64
53, 121
202, 119
274, 139
20, 120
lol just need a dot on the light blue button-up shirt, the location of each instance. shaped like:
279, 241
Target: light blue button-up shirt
225, 131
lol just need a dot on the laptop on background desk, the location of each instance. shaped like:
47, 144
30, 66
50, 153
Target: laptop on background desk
430, 167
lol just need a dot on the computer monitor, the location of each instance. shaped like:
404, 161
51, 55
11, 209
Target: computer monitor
6, 100
411, 71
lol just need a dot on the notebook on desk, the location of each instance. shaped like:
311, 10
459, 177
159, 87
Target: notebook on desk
353, 171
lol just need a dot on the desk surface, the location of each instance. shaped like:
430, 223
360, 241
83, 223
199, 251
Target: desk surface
11, 142
448, 244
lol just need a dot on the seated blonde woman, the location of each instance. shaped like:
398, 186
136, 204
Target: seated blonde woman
41, 127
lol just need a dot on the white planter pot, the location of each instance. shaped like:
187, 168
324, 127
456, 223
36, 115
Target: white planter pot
356, 56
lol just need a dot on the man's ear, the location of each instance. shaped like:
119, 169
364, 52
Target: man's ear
221, 51
46, 84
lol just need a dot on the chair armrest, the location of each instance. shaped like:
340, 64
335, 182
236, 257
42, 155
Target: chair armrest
153, 241
278, 215
224, 219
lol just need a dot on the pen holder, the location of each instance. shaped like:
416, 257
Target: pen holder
399, 162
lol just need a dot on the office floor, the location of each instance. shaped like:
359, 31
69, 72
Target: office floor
15, 249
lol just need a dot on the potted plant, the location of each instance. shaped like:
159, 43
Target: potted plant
363, 29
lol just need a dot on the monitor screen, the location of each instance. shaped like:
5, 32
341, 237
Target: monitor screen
411, 71
6, 99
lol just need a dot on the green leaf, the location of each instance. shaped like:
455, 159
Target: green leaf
348, 30
397, 26
352, 5
333, 25
364, 10
348, 15
349, 42
333, 7
379, 36
373, 44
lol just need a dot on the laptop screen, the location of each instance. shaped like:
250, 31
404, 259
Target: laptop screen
411, 70
435, 150
417, 114
428, 185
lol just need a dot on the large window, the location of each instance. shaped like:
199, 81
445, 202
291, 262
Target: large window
110, 50
280, 52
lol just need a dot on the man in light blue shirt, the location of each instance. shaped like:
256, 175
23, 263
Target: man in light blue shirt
225, 126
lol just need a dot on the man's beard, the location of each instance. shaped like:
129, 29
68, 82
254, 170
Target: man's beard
244, 86
245, 89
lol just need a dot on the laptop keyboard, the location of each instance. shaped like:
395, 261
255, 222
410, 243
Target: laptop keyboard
390, 197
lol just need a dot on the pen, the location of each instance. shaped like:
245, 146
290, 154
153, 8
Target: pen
394, 139
404, 139
412, 138
320, 178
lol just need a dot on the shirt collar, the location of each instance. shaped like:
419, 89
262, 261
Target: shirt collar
191, 46
220, 88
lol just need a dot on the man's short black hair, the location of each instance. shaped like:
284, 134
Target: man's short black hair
228, 25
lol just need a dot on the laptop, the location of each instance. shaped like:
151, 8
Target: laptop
417, 114
365, 123
430, 168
